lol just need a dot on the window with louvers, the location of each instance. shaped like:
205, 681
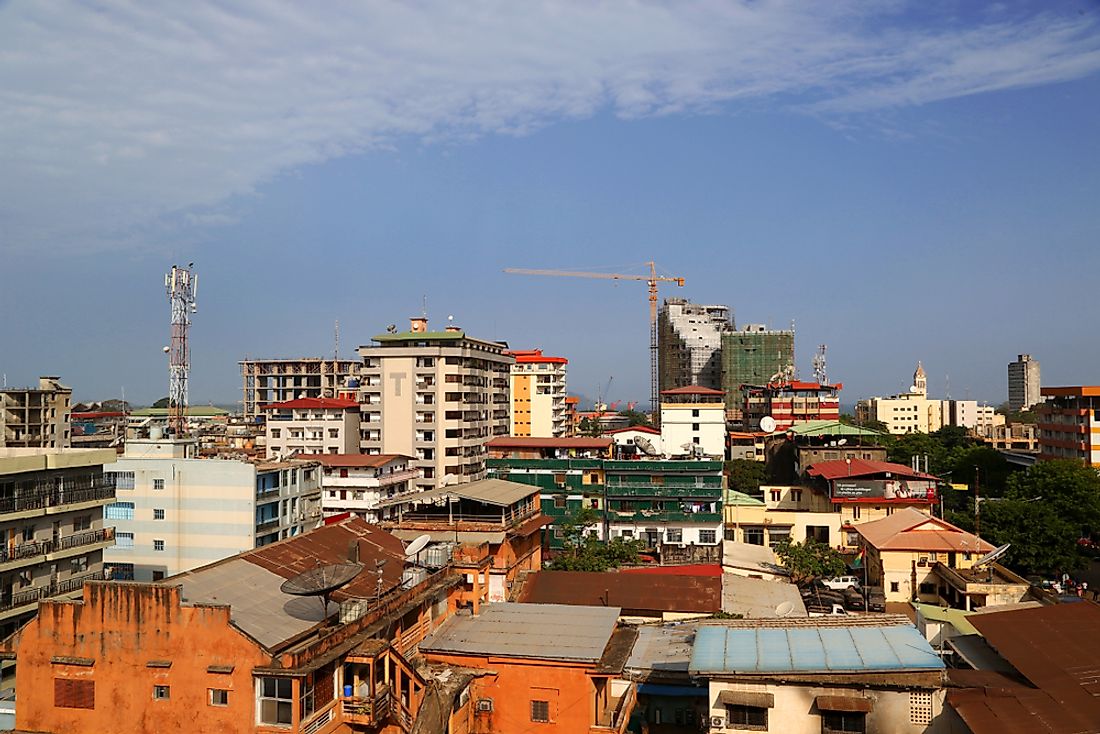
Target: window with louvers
73, 694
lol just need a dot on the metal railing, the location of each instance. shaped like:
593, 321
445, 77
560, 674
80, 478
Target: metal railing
54, 496
37, 548
38, 593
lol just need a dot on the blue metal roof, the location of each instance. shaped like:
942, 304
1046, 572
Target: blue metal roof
811, 649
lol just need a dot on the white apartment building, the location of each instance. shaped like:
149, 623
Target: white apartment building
1023, 383
312, 426
437, 396
51, 526
907, 412
537, 386
174, 511
36, 417
356, 483
693, 422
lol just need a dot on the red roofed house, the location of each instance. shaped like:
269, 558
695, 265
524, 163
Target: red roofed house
790, 403
312, 426
912, 555
628, 446
693, 422
356, 483
538, 394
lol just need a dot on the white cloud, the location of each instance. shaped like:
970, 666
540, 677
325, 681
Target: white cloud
117, 119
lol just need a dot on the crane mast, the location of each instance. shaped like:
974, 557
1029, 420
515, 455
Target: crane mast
651, 281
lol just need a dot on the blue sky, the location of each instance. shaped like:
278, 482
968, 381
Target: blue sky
916, 182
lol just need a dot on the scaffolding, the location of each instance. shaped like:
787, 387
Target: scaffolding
754, 356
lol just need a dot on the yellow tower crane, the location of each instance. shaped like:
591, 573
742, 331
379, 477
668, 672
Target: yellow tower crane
651, 280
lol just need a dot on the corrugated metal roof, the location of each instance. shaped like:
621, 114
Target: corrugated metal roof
317, 403
539, 631
499, 492
530, 442
957, 618
634, 593
450, 536
845, 469
798, 648
354, 460
911, 529
759, 598
830, 428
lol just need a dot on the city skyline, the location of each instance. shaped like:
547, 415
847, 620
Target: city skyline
903, 183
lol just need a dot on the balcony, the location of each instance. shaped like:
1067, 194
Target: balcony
617, 714
45, 497
367, 711
35, 552
35, 594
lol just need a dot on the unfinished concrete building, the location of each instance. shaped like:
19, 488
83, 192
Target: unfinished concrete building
689, 344
279, 380
754, 355
36, 417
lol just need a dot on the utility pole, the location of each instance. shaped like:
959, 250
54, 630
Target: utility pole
977, 507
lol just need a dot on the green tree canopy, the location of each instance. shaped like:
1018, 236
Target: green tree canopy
636, 417
583, 551
1043, 513
809, 560
162, 403
745, 475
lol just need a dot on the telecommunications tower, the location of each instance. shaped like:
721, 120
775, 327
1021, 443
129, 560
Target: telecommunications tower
181, 285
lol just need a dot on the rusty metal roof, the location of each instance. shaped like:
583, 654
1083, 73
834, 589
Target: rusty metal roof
634, 593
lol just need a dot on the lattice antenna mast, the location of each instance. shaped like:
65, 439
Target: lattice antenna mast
819, 366
181, 286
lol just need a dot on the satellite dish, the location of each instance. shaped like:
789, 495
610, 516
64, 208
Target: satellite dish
166, 350
418, 544
645, 445
391, 329
784, 609
992, 555
321, 581
841, 442
767, 424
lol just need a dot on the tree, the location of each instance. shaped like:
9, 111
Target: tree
745, 475
1044, 512
583, 551
162, 403
809, 560
636, 417
871, 425
589, 427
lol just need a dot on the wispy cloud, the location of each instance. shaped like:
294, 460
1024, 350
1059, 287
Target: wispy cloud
115, 117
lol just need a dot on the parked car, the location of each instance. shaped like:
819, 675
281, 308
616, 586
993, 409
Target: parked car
835, 611
840, 583
876, 599
854, 600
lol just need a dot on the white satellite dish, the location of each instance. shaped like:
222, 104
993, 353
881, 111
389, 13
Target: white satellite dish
784, 609
645, 445
992, 555
841, 442
767, 424
418, 544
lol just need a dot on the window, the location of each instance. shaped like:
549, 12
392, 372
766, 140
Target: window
121, 479
843, 722
695, 426
276, 701
746, 717
82, 522
119, 511
158, 514
694, 412
540, 711
161, 693
158, 575
559, 501
775, 495
920, 707
78, 565
124, 540
276, 432
674, 535
158, 484
928, 589
707, 537
158, 545
628, 533
219, 697
73, 694
894, 586
754, 535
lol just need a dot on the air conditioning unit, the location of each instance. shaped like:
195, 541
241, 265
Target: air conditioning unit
717, 722
484, 705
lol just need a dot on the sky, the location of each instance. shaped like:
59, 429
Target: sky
901, 180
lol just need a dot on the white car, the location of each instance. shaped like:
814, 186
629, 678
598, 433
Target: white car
840, 583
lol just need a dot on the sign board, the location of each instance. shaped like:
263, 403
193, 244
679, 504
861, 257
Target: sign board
884, 489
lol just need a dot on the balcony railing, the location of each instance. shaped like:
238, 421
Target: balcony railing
38, 593
67, 494
23, 551
368, 711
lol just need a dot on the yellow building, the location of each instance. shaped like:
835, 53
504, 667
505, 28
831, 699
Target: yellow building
538, 406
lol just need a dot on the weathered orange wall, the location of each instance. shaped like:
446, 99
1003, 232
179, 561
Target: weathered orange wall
122, 627
517, 682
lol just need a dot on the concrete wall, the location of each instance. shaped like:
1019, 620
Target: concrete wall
678, 421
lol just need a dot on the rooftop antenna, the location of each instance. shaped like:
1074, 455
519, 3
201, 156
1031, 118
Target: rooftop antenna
321, 581
819, 366
336, 340
424, 306
181, 285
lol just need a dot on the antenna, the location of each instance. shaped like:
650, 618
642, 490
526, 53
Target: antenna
181, 285
321, 581
412, 550
336, 346
424, 306
819, 366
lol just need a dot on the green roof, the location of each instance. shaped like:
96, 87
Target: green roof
830, 428
198, 411
740, 499
957, 618
406, 336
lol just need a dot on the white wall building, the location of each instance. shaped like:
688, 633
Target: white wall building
356, 483
312, 426
693, 422
174, 511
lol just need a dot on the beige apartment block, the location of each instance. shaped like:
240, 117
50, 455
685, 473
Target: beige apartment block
51, 525
278, 380
312, 426
908, 412
36, 417
174, 511
538, 395
357, 483
437, 396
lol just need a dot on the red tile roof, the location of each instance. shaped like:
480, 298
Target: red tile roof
312, 403
692, 390
525, 442
912, 530
535, 356
642, 429
354, 460
840, 469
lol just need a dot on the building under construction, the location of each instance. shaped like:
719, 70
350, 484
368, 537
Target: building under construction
689, 338
278, 380
754, 355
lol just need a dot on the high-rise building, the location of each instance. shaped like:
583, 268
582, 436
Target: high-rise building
1069, 423
689, 344
1023, 383
438, 396
538, 395
36, 417
754, 355
279, 380
51, 519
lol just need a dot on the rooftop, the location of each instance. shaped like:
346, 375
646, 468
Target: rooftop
740, 499
760, 598
499, 492
313, 404
195, 411
751, 557
693, 390
873, 645
848, 469
634, 593
830, 428
910, 529
523, 442
20, 460
1076, 391
535, 356
354, 460
538, 631
640, 429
